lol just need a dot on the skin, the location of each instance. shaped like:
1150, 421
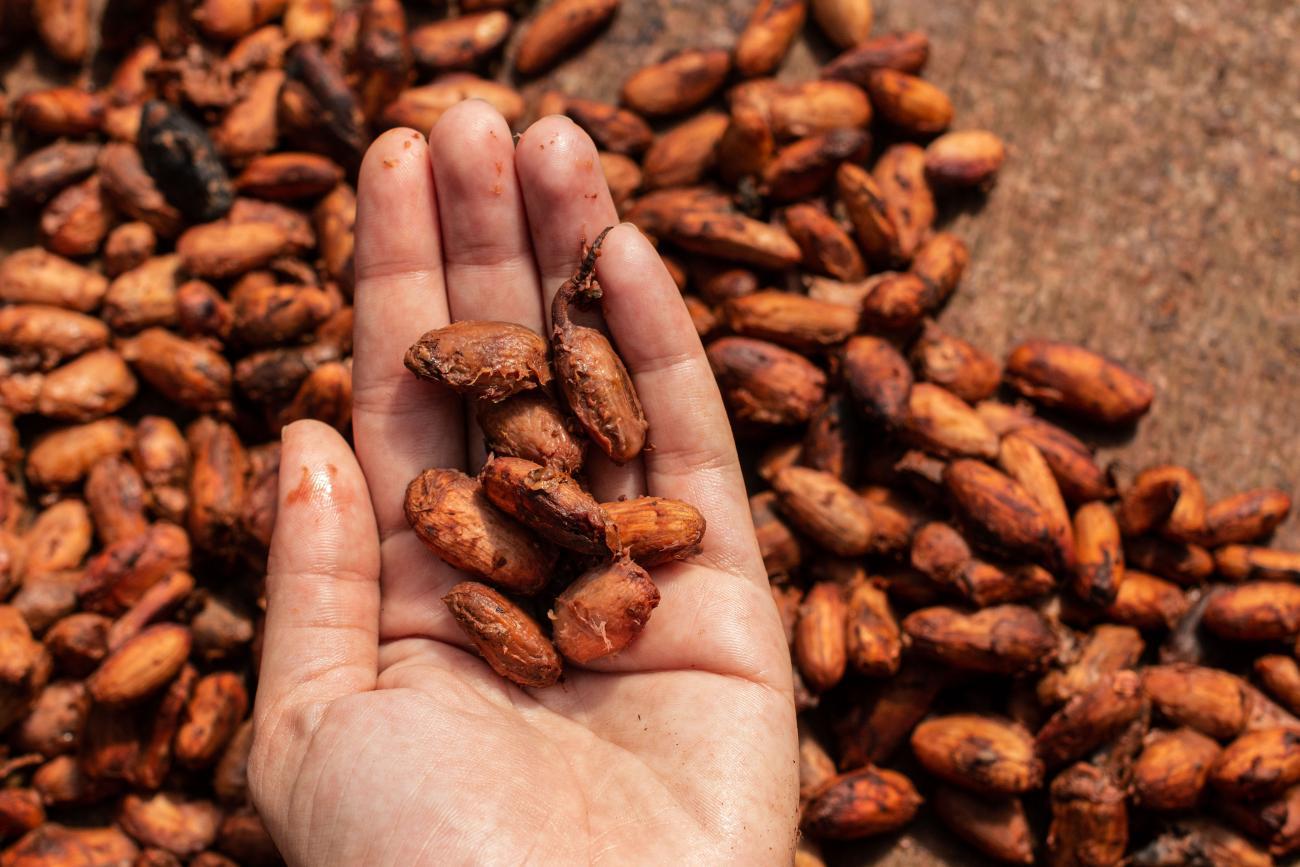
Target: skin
380, 736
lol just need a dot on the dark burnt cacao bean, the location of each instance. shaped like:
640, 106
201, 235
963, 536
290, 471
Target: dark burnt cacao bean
181, 158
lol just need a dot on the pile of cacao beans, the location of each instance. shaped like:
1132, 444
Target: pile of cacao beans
986, 624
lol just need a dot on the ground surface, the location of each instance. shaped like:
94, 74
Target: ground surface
1150, 208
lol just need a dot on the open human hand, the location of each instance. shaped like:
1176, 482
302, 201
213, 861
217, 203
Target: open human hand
381, 737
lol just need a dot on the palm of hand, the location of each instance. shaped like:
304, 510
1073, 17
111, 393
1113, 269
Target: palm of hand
381, 737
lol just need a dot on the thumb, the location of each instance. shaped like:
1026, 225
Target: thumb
322, 585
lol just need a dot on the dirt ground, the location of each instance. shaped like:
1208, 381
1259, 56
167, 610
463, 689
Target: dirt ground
1150, 208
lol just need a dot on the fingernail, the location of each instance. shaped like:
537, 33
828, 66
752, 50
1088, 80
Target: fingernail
290, 432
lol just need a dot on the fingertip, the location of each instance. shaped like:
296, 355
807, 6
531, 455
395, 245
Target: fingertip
307, 437
396, 219
471, 152
466, 122
393, 142
560, 159
394, 153
639, 290
293, 432
626, 233
626, 246
551, 127
323, 499
565, 194
312, 443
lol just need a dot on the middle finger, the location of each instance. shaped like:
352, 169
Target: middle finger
485, 244
489, 258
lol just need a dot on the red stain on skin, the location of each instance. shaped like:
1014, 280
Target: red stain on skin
406, 145
317, 488
500, 166
303, 491
390, 163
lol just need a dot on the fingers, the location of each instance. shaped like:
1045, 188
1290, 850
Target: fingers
693, 456
322, 583
568, 202
488, 255
401, 425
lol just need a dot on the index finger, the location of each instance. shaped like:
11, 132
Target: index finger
322, 585
400, 424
